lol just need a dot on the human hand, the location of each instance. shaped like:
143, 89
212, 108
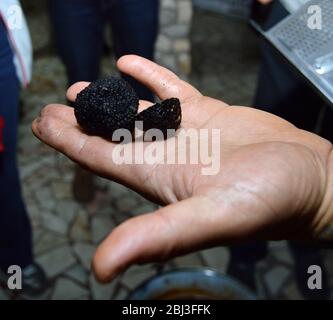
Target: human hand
273, 183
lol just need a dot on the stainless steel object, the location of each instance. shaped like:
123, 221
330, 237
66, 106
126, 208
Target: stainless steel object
309, 50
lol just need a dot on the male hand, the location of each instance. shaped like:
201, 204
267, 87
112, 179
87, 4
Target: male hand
273, 183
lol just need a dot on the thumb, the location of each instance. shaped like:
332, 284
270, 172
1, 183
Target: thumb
154, 236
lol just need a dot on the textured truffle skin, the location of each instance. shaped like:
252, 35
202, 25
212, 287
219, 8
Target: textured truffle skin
105, 106
163, 116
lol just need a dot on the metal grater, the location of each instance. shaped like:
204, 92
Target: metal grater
234, 8
310, 51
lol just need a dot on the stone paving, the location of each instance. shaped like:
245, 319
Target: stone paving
67, 233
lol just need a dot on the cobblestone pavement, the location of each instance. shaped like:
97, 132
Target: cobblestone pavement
67, 233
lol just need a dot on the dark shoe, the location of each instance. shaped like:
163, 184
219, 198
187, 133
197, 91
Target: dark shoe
33, 279
83, 185
244, 272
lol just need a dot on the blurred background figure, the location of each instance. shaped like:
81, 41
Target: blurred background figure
15, 229
282, 91
79, 30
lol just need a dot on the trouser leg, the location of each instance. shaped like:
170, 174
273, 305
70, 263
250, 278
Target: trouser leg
135, 28
15, 229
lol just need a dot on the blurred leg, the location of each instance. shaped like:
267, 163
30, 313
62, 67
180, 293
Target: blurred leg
15, 230
79, 34
78, 31
243, 259
135, 28
250, 252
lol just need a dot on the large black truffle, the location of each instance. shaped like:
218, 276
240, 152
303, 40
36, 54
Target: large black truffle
163, 116
105, 106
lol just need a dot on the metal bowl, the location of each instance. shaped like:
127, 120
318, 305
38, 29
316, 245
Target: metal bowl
191, 284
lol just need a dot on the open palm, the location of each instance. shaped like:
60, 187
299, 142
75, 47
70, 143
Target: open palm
271, 183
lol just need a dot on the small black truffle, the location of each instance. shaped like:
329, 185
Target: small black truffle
111, 103
105, 106
163, 116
